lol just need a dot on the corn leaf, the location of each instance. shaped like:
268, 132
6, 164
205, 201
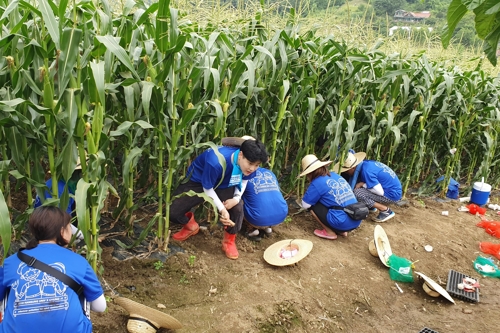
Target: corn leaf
5, 227
456, 12
112, 45
161, 36
50, 20
142, 235
12, 5
98, 76
81, 192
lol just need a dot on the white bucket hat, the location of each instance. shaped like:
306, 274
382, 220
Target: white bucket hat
432, 288
311, 163
287, 252
235, 141
350, 162
382, 244
144, 319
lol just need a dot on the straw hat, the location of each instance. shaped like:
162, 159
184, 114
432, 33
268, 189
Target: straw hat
372, 248
144, 319
432, 288
311, 163
350, 162
382, 244
287, 252
235, 141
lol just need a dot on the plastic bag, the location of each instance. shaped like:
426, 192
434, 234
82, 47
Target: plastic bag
475, 209
491, 227
452, 192
486, 267
400, 269
490, 248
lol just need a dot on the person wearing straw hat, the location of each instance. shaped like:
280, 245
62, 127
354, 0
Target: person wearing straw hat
327, 189
373, 183
224, 186
263, 204
37, 301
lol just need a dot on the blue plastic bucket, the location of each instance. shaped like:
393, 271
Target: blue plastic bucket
480, 193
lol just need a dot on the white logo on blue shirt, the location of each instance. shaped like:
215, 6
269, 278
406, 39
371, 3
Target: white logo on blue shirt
386, 169
340, 190
264, 182
37, 291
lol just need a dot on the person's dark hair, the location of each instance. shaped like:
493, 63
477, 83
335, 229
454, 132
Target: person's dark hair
46, 223
254, 151
323, 171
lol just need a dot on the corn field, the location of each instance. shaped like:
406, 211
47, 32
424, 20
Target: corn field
137, 93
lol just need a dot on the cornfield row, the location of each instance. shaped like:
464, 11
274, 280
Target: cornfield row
141, 92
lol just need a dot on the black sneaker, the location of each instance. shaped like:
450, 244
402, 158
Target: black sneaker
384, 216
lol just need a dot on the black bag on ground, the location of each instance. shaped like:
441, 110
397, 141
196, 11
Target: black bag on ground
356, 211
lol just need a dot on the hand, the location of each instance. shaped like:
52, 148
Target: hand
225, 219
359, 185
230, 203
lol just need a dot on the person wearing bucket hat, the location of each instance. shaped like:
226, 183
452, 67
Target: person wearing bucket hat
35, 300
373, 183
263, 204
64, 188
224, 185
326, 190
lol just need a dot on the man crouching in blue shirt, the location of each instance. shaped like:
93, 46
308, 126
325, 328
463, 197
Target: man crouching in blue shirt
225, 187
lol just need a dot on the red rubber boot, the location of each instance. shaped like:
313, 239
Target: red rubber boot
229, 246
189, 229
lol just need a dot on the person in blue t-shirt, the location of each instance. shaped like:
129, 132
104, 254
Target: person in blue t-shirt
374, 183
61, 184
36, 301
327, 189
263, 203
224, 186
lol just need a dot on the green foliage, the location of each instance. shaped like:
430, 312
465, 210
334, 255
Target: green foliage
5, 227
389, 7
142, 101
487, 23
184, 280
158, 265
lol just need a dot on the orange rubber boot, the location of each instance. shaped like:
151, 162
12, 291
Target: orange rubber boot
229, 246
189, 229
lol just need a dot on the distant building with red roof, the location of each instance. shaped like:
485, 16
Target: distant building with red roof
403, 15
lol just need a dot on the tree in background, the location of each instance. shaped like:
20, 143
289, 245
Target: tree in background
388, 7
487, 23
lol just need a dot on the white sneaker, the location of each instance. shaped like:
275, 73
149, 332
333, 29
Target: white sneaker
254, 233
268, 230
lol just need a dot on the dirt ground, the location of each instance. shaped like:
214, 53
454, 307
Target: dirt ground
338, 287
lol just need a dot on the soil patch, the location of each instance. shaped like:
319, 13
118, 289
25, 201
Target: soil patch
338, 287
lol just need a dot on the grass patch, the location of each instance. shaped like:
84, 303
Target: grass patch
284, 318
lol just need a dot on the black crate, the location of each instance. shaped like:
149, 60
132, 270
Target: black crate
427, 330
454, 278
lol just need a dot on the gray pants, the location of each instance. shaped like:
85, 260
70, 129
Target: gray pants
185, 203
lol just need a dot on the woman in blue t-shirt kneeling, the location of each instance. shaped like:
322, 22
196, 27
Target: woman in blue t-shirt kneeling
37, 301
327, 189
264, 205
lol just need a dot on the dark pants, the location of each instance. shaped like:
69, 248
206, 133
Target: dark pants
321, 212
185, 203
369, 198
